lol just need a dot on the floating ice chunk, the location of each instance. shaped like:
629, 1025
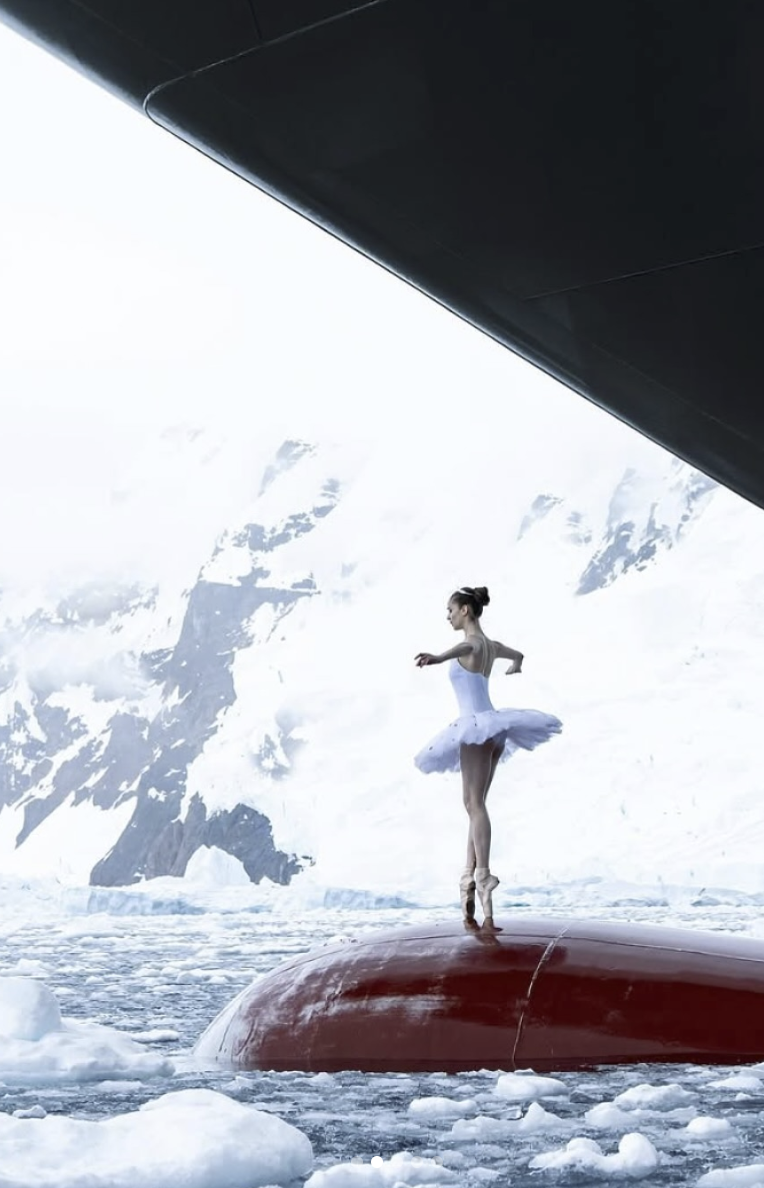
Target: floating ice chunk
239, 1084
492, 1150
29, 967
455, 1159
156, 1035
28, 1010
80, 1052
215, 976
746, 1082
481, 1128
636, 1157
39, 1047
442, 1107
537, 1120
194, 1138
528, 1087
400, 1171
323, 1078
35, 1111
704, 1129
607, 1116
750, 1176
653, 1097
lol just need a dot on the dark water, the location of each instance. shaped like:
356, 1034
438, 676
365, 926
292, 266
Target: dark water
175, 972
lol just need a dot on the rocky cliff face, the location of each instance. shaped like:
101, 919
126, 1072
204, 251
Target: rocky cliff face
109, 696
641, 521
93, 742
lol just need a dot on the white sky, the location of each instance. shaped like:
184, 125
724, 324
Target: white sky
142, 285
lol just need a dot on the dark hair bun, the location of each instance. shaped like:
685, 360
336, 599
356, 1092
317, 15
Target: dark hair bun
474, 598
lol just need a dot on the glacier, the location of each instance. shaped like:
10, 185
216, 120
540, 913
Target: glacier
258, 700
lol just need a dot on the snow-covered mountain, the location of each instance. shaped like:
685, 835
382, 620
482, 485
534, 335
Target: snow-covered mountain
258, 698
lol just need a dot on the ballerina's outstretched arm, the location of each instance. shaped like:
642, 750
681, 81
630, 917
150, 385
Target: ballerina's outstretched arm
463, 649
505, 653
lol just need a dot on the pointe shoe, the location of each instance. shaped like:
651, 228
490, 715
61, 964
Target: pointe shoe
467, 894
486, 884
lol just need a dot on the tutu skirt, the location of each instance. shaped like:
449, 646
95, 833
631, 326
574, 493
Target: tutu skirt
518, 729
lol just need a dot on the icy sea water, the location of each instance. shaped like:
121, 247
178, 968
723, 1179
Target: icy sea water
171, 973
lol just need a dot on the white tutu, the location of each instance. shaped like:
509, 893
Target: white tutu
518, 729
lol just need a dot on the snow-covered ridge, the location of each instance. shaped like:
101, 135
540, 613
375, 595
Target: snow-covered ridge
96, 715
268, 709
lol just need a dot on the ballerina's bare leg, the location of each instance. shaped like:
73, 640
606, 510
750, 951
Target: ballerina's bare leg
478, 766
472, 861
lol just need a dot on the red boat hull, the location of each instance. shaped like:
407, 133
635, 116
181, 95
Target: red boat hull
541, 994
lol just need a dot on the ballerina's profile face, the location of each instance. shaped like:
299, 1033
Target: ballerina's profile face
457, 615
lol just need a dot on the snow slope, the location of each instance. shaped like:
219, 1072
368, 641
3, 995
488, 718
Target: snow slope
258, 698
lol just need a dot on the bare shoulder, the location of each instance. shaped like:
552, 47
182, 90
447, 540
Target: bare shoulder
469, 647
469, 653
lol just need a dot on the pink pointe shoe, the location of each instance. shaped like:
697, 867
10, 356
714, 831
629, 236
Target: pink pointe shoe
486, 884
467, 894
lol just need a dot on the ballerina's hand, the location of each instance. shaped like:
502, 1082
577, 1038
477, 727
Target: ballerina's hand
514, 667
424, 658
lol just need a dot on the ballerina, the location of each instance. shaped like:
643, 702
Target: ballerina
480, 738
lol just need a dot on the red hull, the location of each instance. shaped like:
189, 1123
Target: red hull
539, 994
